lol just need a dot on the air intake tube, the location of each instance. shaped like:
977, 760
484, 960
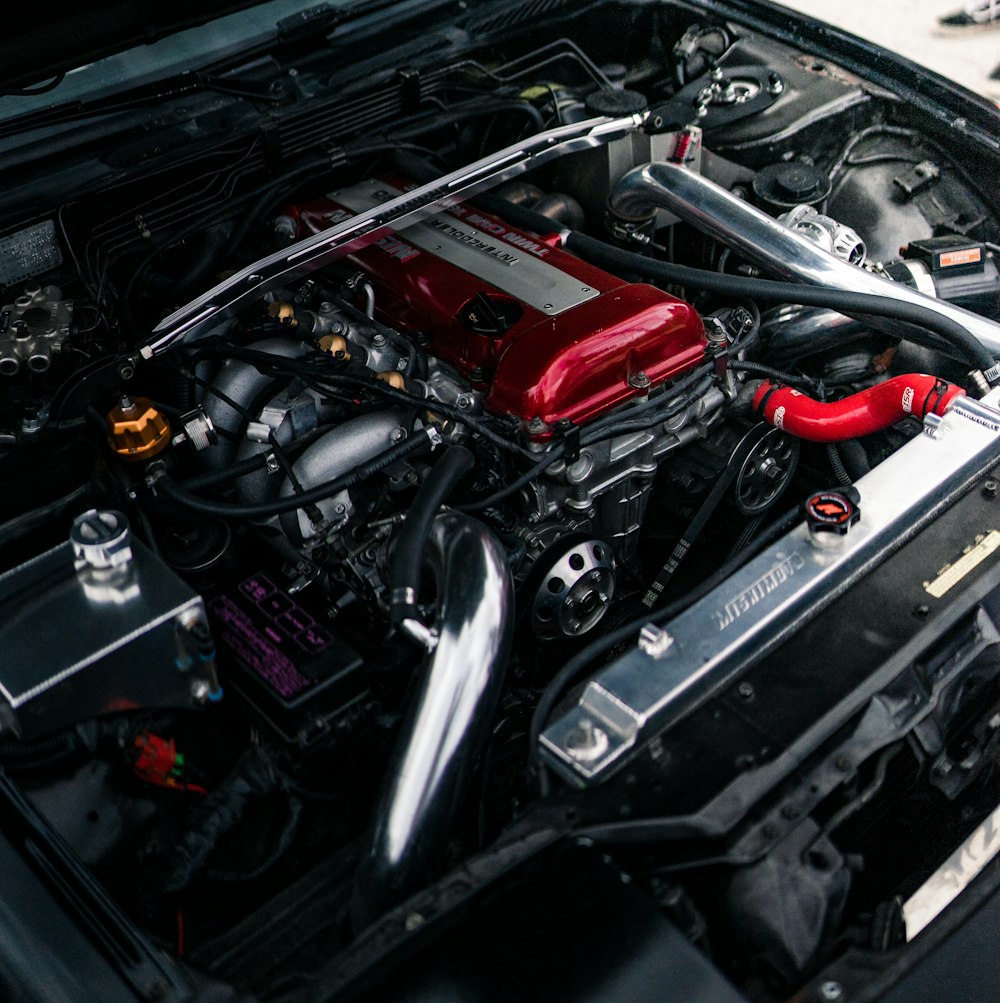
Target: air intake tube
767, 243
449, 717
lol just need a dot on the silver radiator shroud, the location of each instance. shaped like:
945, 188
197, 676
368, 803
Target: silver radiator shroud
676, 668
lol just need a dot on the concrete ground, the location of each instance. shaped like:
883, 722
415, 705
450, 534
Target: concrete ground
908, 27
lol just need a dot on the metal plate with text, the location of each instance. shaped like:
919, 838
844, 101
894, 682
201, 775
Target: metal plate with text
504, 259
649, 688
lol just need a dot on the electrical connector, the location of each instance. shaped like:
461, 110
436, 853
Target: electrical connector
157, 761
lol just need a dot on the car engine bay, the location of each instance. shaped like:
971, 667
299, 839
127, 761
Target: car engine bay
429, 442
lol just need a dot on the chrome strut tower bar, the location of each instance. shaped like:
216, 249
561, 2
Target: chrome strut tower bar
205, 312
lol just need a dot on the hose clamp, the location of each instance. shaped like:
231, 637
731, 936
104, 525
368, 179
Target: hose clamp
404, 597
423, 635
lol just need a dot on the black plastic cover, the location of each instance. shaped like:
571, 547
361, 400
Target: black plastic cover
572, 929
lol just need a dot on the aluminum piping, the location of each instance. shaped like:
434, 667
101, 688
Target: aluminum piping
448, 720
767, 243
240, 382
338, 452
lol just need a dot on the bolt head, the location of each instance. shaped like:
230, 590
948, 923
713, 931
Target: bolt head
769, 468
654, 641
586, 742
831, 991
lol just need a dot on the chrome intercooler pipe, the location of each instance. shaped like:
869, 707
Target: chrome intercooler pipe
767, 243
449, 717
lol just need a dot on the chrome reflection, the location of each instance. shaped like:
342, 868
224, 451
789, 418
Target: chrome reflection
449, 717
766, 242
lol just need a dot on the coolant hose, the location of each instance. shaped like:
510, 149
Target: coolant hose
863, 413
408, 553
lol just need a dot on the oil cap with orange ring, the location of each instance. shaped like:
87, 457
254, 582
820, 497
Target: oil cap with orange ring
136, 429
831, 514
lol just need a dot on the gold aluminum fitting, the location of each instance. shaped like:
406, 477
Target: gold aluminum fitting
136, 430
336, 345
394, 379
283, 313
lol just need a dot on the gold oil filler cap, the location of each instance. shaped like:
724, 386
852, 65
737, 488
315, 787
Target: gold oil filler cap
136, 429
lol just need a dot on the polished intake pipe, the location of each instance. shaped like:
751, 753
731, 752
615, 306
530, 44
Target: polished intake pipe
448, 723
767, 243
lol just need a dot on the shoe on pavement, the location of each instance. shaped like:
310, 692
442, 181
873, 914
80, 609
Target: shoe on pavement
973, 16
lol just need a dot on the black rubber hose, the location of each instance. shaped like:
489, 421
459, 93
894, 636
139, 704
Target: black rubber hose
215, 241
770, 373
408, 553
855, 458
417, 168
736, 286
228, 474
418, 443
518, 215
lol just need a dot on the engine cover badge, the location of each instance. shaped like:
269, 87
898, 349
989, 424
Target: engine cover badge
483, 246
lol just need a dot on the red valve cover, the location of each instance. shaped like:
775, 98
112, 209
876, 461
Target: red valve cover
548, 335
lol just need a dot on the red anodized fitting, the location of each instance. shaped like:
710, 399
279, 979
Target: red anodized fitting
871, 410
